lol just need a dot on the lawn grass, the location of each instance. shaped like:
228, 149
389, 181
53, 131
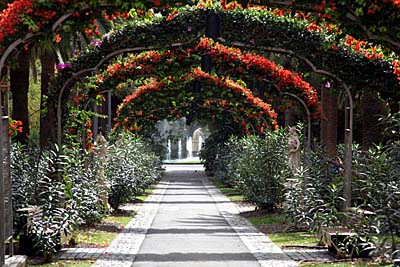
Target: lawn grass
228, 191
147, 192
293, 239
269, 218
94, 237
66, 263
121, 220
345, 264
102, 238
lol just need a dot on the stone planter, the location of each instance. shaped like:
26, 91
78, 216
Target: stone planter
335, 238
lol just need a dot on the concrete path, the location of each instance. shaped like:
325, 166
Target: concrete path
188, 222
190, 231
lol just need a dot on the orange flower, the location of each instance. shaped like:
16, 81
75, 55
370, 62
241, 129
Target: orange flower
58, 38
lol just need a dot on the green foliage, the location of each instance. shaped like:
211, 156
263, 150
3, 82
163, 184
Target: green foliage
58, 213
63, 183
131, 166
312, 199
253, 165
60, 184
81, 179
259, 171
379, 192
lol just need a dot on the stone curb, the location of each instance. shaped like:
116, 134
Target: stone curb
123, 250
265, 251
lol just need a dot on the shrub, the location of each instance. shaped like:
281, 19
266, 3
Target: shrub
259, 168
80, 181
379, 191
312, 197
44, 177
131, 166
213, 153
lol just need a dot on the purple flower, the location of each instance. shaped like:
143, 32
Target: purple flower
97, 43
327, 85
62, 66
107, 36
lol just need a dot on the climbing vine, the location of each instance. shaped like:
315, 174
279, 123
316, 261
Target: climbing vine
257, 29
229, 61
217, 99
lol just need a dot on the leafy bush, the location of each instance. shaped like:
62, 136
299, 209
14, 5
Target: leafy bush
80, 180
257, 168
63, 185
379, 191
44, 175
214, 151
312, 197
131, 167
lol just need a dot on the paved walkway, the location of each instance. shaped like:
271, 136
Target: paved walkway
188, 222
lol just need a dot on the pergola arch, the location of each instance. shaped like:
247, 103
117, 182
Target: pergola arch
189, 24
216, 99
158, 64
155, 63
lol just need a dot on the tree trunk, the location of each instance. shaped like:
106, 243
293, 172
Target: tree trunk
19, 82
47, 119
371, 111
329, 122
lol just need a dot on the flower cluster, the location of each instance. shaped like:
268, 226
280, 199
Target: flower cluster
144, 106
24, 16
361, 47
231, 6
62, 66
229, 85
285, 79
15, 127
12, 16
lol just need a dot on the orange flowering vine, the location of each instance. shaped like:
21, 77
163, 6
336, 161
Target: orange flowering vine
136, 110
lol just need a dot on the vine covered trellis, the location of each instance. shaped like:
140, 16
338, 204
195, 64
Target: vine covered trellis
157, 49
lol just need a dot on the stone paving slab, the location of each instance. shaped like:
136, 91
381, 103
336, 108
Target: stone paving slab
302, 254
80, 253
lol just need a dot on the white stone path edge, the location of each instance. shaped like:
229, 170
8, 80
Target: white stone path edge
265, 251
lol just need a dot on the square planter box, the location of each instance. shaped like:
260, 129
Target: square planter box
336, 237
